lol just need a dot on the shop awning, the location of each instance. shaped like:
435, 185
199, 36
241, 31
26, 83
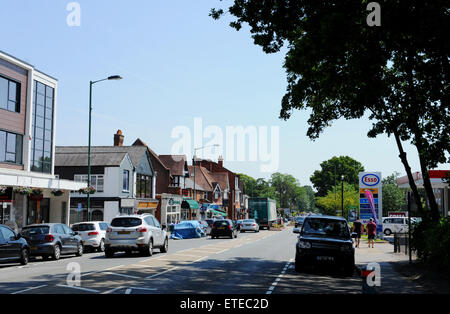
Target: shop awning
189, 204
216, 212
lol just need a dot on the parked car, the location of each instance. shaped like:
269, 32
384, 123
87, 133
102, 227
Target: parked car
52, 240
92, 233
325, 239
397, 224
13, 247
224, 228
299, 221
210, 223
135, 233
239, 224
249, 225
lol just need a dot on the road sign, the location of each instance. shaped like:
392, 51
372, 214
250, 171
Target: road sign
370, 199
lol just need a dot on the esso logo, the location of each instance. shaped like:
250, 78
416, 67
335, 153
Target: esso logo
370, 179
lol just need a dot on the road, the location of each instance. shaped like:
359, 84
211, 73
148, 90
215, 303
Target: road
254, 263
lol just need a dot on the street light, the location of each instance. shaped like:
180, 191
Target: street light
110, 78
195, 151
342, 196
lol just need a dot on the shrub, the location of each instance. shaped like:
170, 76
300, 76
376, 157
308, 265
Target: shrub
431, 241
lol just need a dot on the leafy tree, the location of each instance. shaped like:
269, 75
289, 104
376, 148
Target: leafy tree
330, 205
393, 197
339, 67
331, 172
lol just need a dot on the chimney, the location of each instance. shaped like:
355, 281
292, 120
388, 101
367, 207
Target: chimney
221, 161
118, 138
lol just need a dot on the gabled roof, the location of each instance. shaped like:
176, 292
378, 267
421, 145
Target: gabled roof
77, 156
200, 178
212, 178
176, 163
140, 142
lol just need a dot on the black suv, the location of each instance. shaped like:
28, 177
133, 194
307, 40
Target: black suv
224, 228
13, 247
52, 240
325, 240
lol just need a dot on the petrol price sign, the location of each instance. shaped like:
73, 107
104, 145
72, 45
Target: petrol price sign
370, 198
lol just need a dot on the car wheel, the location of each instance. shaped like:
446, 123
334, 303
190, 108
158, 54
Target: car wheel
387, 232
56, 252
79, 250
148, 251
24, 257
165, 247
101, 247
109, 253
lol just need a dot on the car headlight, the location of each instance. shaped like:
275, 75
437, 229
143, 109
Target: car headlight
304, 245
347, 248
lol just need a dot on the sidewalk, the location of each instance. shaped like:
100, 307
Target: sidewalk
391, 281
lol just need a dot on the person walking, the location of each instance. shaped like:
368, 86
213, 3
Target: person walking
371, 231
358, 228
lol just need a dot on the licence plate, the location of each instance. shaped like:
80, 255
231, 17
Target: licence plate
83, 242
123, 232
221, 228
325, 258
33, 248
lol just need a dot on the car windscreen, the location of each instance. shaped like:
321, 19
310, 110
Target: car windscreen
221, 223
326, 227
31, 231
300, 219
83, 227
126, 222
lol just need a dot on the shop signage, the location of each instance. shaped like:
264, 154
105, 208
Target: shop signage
370, 198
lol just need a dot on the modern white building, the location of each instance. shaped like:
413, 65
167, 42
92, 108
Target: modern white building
29, 190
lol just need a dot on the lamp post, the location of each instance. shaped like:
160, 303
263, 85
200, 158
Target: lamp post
342, 196
195, 151
110, 78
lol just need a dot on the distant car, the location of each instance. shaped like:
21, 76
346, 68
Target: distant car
92, 233
135, 233
249, 225
52, 240
222, 228
239, 224
299, 221
13, 247
325, 239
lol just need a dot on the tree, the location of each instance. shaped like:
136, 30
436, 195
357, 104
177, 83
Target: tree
331, 172
330, 205
393, 197
339, 67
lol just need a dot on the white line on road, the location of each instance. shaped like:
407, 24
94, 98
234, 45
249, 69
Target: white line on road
32, 288
79, 288
122, 275
152, 276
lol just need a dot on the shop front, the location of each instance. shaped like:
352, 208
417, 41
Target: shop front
145, 206
190, 210
170, 210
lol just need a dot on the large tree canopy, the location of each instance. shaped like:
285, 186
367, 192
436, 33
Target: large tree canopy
340, 67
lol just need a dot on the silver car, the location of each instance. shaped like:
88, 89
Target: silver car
135, 233
92, 233
249, 225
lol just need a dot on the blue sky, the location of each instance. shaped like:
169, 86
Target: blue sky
178, 64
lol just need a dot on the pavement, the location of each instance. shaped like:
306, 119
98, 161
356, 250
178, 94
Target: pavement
391, 281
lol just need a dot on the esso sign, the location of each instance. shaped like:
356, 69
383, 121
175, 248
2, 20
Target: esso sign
370, 180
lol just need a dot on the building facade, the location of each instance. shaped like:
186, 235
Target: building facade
29, 190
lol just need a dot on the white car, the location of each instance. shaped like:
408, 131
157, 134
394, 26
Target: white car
397, 224
135, 233
249, 225
92, 234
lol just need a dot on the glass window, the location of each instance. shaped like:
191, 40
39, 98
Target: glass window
67, 230
2, 240
126, 179
9, 95
156, 222
59, 229
10, 147
126, 222
2, 146
8, 234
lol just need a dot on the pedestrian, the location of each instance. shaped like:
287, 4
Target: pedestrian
371, 231
358, 228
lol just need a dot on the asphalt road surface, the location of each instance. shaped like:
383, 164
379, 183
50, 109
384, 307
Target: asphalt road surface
253, 263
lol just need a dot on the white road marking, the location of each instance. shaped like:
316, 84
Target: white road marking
79, 288
122, 275
32, 288
152, 276
112, 290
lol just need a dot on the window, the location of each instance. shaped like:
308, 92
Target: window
176, 181
42, 128
156, 222
59, 229
67, 230
8, 234
126, 180
97, 180
9, 95
143, 186
10, 147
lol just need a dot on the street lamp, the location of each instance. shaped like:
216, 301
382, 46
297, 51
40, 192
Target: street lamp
195, 151
110, 78
342, 196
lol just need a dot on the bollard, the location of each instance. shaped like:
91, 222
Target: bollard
368, 288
